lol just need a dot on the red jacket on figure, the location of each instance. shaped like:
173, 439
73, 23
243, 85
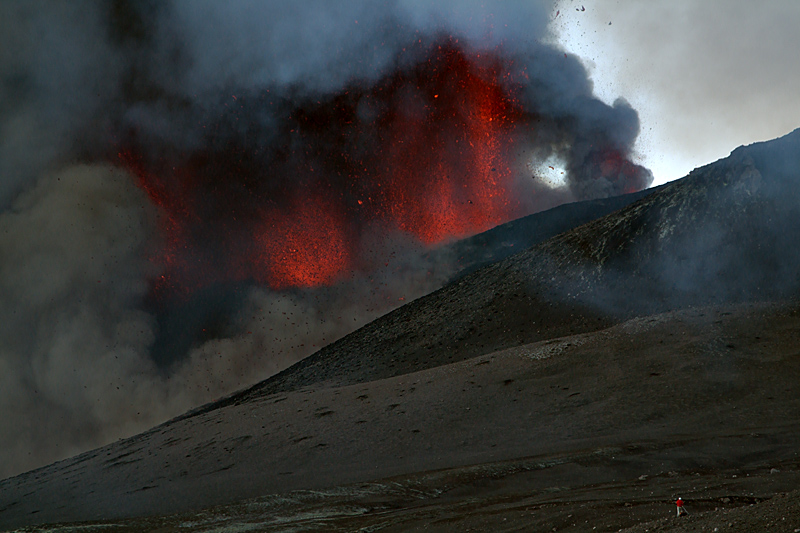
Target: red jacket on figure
681, 510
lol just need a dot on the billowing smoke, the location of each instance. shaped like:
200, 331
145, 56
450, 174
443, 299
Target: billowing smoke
197, 194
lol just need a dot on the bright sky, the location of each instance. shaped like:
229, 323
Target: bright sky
705, 75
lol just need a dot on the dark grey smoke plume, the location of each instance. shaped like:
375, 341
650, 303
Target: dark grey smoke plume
81, 80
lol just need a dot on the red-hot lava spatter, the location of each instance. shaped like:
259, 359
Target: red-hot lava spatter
424, 151
309, 248
445, 164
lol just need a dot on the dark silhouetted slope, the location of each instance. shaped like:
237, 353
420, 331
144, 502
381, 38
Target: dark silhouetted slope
725, 233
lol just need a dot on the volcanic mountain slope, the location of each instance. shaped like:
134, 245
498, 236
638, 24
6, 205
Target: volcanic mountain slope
181, 321
698, 403
507, 239
622, 361
726, 233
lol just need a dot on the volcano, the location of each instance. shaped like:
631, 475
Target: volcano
590, 378
199, 195
433, 151
370, 185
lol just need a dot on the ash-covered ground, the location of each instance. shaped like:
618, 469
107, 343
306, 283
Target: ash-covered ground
580, 385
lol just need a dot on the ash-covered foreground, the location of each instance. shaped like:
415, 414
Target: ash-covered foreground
606, 427
646, 355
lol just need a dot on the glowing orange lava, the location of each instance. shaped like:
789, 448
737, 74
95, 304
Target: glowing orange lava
430, 157
446, 164
308, 248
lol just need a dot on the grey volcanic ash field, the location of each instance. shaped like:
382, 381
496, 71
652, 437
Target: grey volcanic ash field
582, 383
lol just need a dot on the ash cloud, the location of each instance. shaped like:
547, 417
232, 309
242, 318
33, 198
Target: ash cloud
56, 73
80, 79
686, 64
74, 340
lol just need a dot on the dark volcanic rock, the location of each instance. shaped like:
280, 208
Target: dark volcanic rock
726, 233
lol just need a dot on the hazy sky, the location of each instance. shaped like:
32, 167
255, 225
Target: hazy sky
705, 76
